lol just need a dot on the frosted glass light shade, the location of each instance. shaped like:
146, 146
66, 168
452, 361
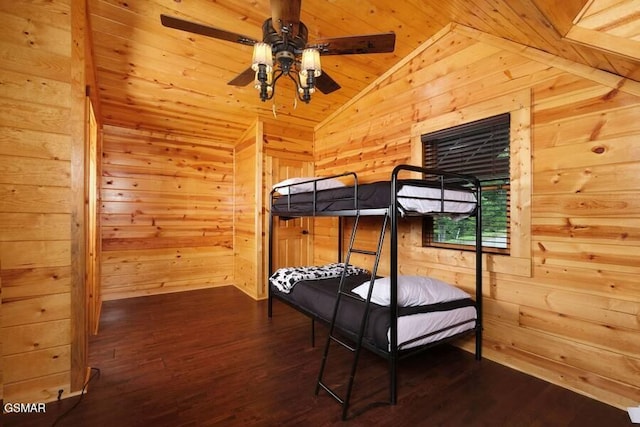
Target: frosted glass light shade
262, 56
311, 61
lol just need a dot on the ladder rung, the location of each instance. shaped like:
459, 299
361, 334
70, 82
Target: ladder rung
331, 392
364, 252
342, 343
350, 295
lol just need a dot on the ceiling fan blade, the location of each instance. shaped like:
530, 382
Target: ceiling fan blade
372, 43
285, 12
326, 84
244, 78
192, 27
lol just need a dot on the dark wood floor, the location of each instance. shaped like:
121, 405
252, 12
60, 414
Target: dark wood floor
212, 357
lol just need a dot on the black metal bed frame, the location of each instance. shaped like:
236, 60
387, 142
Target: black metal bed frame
394, 354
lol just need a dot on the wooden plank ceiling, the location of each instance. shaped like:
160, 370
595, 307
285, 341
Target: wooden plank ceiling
158, 78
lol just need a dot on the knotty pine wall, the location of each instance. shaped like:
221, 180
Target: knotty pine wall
571, 313
247, 215
287, 151
166, 213
259, 156
42, 103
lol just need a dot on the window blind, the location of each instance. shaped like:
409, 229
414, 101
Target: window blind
479, 148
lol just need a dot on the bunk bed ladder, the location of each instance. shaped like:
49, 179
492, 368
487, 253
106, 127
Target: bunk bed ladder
356, 346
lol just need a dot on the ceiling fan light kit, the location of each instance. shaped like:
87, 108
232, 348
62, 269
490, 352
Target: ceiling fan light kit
284, 51
288, 63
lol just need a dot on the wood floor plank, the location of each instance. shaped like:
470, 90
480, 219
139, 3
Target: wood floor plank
212, 358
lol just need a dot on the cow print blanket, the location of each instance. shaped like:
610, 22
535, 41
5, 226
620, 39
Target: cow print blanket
285, 278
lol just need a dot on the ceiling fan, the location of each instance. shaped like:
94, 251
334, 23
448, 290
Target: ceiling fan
285, 39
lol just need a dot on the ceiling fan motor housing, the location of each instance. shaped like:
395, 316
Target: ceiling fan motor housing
290, 39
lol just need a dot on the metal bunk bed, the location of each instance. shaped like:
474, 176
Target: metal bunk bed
391, 206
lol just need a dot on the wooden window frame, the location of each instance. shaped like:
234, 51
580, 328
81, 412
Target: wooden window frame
518, 105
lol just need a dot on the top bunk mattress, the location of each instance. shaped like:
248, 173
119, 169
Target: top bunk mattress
413, 196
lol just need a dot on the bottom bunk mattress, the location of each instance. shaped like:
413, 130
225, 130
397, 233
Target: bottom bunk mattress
417, 326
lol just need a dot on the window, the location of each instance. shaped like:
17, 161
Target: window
479, 148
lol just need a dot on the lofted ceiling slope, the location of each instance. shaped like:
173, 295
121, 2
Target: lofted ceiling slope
157, 78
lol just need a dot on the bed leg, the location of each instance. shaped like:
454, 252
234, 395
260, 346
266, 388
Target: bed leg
479, 343
393, 381
313, 332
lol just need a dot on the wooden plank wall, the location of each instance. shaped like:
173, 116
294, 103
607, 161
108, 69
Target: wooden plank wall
166, 213
287, 148
264, 141
576, 320
35, 207
247, 216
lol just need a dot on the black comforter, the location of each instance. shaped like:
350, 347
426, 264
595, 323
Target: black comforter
316, 299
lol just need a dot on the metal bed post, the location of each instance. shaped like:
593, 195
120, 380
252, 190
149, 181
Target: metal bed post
269, 294
340, 237
393, 303
478, 270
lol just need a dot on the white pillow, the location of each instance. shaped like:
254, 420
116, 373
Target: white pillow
325, 184
412, 291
